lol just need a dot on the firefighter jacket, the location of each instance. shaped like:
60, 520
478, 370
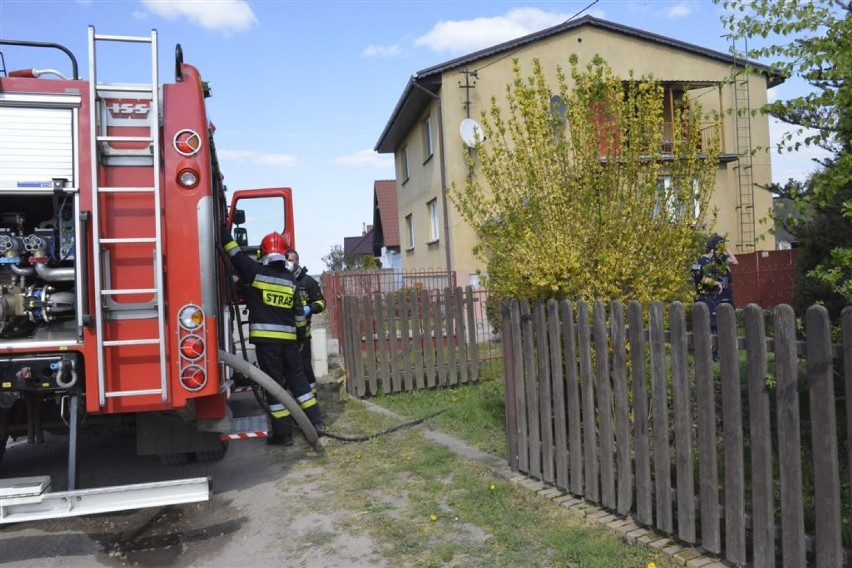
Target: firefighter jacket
311, 296
275, 307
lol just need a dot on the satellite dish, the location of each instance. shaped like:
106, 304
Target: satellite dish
470, 130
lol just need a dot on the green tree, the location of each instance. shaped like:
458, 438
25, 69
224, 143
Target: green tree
578, 201
337, 260
811, 40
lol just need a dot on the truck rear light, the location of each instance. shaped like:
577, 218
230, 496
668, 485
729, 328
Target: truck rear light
192, 347
191, 317
187, 142
193, 378
187, 178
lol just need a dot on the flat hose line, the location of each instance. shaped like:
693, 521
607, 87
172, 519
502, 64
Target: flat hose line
383, 432
302, 421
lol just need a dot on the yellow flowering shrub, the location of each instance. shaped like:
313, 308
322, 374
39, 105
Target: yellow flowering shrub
569, 203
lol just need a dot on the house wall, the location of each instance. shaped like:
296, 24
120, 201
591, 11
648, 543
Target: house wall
623, 54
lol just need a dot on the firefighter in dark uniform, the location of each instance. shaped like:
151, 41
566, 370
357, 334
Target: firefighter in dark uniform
314, 303
711, 275
275, 310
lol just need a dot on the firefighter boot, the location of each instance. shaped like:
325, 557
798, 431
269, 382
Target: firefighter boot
313, 414
282, 432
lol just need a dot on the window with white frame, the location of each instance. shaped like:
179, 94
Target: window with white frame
675, 196
409, 232
403, 163
434, 227
428, 147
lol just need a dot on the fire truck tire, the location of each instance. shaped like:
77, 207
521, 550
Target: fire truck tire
174, 459
213, 455
4, 435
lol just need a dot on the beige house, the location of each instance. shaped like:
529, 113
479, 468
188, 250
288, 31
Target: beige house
423, 132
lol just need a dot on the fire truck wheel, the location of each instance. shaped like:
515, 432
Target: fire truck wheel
174, 459
213, 455
4, 435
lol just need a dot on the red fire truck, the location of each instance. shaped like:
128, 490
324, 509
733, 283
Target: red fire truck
115, 300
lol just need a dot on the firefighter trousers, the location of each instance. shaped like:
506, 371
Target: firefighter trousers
308, 361
281, 361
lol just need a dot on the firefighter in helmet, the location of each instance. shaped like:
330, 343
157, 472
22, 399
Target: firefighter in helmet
314, 303
275, 311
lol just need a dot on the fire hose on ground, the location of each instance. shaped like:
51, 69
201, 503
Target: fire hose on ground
277, 392
282, 396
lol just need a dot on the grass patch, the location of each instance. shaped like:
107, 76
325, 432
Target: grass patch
427, 507
476, 413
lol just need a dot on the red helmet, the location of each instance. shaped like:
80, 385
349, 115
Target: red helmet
273, 243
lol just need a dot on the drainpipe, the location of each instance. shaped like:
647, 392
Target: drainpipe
443, 166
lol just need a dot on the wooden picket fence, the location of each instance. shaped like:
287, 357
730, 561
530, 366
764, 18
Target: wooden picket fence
742, 457
412, 339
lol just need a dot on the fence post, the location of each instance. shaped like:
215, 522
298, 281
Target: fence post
590, 449
644, 506
531, 389
461, 334
440, 334
604, 389
683, 425
392, 311
793, 550
558, 388
472, 333
705, 393
417, 336
760, 435
545, 396
369, 327
383, 370
405, 367
430, 334
846, 327
659, 401
824, 436
575, 431
622, 410
732, 413
511, 376
452, 375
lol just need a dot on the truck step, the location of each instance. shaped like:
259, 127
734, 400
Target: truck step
30, 499
248, 427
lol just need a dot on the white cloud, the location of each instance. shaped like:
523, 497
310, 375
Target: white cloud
470, 35
140, 15
679, 11
381, 51
227, 16
258, 159
364, 158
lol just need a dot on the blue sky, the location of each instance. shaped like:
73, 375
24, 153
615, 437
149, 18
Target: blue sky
303, 89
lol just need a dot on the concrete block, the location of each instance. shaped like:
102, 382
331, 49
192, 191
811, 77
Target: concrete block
684, 556
550, 493
699, 562
332, 347
319, 352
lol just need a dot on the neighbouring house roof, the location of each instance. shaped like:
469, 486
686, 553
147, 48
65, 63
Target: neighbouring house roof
423, 85
385, 225
359, 246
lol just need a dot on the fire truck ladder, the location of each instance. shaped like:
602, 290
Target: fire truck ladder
148, 157
744, 167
